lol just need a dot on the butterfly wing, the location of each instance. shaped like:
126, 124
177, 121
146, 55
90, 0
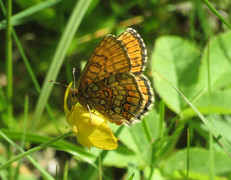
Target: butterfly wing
109, 57
147, 93
136, 50
118, 97
112, 82
137, 53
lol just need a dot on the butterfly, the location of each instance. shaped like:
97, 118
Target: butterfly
112, 81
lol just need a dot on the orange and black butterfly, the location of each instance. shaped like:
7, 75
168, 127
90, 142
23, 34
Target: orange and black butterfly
112, 81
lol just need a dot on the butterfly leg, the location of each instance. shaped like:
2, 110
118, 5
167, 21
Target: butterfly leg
88, 108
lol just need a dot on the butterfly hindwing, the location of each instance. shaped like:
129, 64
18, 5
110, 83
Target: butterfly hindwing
118, 97
148, 95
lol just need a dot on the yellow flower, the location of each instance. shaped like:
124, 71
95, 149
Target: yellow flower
93, 131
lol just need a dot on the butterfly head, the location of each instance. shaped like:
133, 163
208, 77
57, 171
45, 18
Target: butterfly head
73, 92
72, 98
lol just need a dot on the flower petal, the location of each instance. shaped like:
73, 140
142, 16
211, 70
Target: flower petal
92, 130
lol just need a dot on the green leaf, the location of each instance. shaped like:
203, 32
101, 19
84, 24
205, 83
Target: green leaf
220, 63
121, 157
223, 124
135, 140
218, 102
133, 172
220, 73
156, 175
198, 162
134, 137
131, 177
177, 60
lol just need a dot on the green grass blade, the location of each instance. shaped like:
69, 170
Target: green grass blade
60, 53
33, 77
65, 173
202, 18
100, 168
39, 168
61, 145
26, 105
188, 158
210, 140
9, 64
131, 177
9, 74
209, 5
37, 148
192, 22
3, 105
161, 118
146, 130
22, 16
219, 137
30, 70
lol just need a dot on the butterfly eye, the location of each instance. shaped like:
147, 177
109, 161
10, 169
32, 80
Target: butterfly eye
73, 94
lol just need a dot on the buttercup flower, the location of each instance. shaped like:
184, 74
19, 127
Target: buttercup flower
91, 129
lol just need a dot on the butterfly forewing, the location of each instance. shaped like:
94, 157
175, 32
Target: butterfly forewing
135, 48
109, 57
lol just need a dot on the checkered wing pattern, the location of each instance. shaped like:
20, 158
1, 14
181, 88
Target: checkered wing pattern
118, 97
112, 80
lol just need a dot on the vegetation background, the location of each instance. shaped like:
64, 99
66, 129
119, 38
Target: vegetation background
188, 44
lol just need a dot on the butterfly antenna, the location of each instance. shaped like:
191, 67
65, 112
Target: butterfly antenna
57, 83
73, 73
